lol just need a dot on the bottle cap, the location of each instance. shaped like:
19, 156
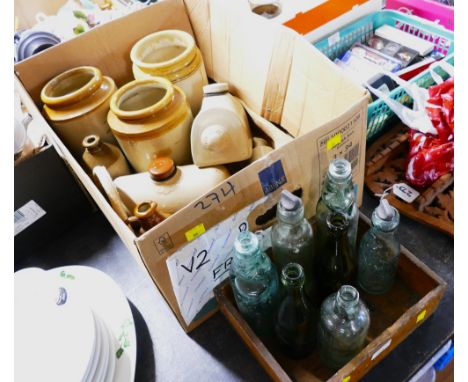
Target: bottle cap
211, 89
384, 210
92, 142
162, 168
289, 201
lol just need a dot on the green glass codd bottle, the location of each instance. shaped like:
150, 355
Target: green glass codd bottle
379, 251
344, 323
337, 196
296, 325
292, 239
335, 265
254, 280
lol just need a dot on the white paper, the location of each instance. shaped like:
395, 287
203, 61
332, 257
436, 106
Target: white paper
405, 192
27, 215
205, 262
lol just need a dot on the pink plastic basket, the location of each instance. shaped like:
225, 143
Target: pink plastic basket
427, 9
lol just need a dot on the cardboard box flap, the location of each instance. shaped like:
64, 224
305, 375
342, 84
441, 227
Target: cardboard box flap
246, 51
318, 91
98, 46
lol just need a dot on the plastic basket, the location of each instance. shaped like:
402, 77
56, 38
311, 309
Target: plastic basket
379, 116
427, 9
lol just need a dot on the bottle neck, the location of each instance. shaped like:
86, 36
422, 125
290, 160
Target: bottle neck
347, 301
293, 279
247, 250
386, 227
290, 217
338, 225
338, 195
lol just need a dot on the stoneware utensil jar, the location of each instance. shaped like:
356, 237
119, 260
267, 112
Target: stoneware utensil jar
98, 153
151, 118
171, 187
220, 131
76, 104
172, 54
260, 149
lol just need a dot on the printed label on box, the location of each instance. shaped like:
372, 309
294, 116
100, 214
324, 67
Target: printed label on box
205, 262
27, 215
341, 142
272, 177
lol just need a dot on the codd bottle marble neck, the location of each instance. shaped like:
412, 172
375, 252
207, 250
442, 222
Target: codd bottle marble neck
379, 251
292, 238
338, 193
337, 196
254, 281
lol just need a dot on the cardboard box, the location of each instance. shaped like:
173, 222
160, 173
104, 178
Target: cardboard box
279, 76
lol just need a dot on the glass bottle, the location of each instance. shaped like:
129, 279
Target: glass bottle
335, 264
337, 196
379, 251
292, 238
296, 324
255, 284
344, 323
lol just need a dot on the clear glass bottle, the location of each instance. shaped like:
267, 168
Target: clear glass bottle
344, 323
292, 238
296, 325
335, 265
254, 280
379, 251
337, 196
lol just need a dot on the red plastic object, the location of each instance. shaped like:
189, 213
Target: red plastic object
430, 156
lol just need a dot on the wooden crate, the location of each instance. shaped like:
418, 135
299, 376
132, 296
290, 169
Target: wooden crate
414, 297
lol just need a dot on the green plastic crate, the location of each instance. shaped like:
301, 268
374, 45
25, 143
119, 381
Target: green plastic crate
379, 116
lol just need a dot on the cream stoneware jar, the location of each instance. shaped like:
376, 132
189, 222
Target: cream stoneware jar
220, 131
172, 54
76, 104
98, 153
151, 118
171, 187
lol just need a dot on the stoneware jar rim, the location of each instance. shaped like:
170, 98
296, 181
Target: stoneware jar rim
82, 92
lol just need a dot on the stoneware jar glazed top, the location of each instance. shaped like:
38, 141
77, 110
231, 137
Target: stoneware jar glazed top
143, 108
142, 98
169, 53
71, 86
76, 92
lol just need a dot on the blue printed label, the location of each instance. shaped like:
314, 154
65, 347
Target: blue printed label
272, 177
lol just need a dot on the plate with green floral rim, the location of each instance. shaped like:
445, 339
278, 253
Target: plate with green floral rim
107, 300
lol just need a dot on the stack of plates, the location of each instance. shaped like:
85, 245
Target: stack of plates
72, 324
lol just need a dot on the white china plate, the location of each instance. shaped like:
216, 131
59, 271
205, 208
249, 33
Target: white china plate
108, 302
52, 340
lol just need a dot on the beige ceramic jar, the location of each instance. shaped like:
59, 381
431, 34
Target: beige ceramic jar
171, 187
98, 153
172, 54
260, 149
76, 104
220, 132
151, 118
